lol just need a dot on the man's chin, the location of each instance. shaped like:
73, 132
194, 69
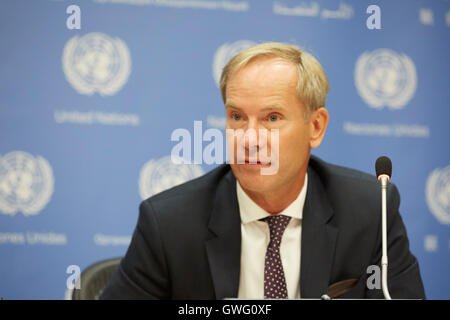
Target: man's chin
251, 178
253, 169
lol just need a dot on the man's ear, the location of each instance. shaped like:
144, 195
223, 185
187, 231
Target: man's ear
318, 121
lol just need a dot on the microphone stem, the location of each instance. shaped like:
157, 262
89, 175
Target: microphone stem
384, 257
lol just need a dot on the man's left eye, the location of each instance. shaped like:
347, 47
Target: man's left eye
273, 117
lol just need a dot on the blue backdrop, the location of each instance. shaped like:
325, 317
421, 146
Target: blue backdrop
86, 115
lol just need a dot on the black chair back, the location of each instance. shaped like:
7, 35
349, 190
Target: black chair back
94, 278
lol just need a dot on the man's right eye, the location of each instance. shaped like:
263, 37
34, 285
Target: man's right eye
236, 116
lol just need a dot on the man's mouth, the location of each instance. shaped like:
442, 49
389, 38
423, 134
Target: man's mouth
253, 162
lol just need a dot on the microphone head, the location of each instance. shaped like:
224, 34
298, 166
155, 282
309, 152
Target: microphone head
383, 165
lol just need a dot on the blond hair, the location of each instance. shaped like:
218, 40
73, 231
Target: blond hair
312, 84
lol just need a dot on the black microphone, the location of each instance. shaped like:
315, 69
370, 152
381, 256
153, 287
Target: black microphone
383, 168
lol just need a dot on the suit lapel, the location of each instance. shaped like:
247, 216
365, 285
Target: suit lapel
318, 240
224, 248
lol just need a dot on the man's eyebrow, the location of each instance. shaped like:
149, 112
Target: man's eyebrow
270, 107
231, 104
274, 107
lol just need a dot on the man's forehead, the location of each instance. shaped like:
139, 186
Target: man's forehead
275, 96
276, 75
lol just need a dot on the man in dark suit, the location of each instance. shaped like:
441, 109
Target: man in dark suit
305, 229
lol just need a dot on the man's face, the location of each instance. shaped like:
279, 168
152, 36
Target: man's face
262, 95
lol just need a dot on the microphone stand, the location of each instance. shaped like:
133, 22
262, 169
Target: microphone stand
384, 258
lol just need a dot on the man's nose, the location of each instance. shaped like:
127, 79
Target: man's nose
251, 135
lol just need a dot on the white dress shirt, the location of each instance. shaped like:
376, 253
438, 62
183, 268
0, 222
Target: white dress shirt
255, 239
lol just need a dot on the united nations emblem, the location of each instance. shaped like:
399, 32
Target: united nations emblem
96, 63
26, 183
385, 78
225, 53
438, 194
162, 174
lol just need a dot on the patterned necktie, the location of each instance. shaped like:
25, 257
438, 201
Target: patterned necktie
274, 279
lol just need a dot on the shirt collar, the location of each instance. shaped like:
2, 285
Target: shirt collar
250, 211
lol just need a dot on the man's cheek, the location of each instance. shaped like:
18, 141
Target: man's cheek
271, 154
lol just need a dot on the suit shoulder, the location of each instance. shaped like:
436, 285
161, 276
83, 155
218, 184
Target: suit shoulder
332, 173
346, 183
191, 193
